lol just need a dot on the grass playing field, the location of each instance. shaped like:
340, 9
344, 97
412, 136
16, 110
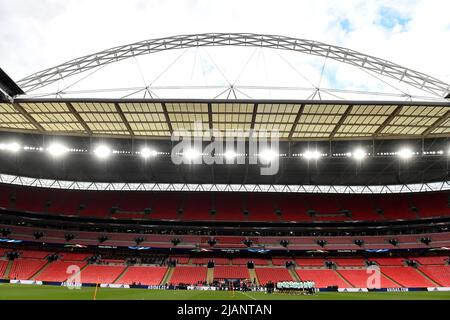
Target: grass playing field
31, 292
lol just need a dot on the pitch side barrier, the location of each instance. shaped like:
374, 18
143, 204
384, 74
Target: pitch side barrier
207, 288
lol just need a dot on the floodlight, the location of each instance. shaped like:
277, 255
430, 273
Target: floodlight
359, 154
405, 153
268, 155
57, 149
230, 155
147, 153
191, 154
102, 151
314, 155
12, 147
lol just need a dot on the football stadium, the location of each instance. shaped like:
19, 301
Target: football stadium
219, 191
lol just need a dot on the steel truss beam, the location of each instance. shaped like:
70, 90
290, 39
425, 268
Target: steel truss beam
261, 188
376, 65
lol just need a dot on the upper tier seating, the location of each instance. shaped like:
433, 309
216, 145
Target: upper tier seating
57, 271
359, 277
440, 274
272, 274
24, 269
188, 275
231, 272
406, 276
323, 278
228, 206
143, 275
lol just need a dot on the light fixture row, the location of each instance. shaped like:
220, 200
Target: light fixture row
103, 151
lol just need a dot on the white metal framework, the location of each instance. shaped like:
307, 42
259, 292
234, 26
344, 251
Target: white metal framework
378, 66
293, 120
260, 188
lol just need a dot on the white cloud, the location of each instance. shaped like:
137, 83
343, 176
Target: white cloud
36, 35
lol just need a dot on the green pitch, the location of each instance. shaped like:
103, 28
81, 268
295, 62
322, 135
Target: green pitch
30, 292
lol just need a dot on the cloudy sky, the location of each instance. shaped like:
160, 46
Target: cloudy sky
41, 34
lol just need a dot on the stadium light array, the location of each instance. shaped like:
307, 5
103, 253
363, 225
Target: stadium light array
102, 151
11, 147
359, 154
191, 154
57, 150
312, 155
405, 153
230, 155
268, 155
147, 153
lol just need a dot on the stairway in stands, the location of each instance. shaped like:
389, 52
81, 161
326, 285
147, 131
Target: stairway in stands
253, 276
8, 269
121, 274
210, 275
168, 275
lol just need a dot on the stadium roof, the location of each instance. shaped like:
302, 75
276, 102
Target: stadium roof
295, 120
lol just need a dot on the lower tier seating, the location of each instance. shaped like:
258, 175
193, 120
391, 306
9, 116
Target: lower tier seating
323, 278
272, 274
231, 272
439, 274
3, 265
101, 273
359, 278
188, 275
406, 276
24, 269
143, 275
57, 271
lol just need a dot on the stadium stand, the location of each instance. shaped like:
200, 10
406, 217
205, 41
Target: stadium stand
71, 256
188, 275
389, 261
439, 274
272, 274
346, 262
358, 278
441, 260
24, 269
57, 271
322, 277
3, 265
231, 272
143, 275
229, 207
310, 262
406, 276
101, 273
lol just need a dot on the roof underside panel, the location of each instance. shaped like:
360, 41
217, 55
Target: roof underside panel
302, 120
